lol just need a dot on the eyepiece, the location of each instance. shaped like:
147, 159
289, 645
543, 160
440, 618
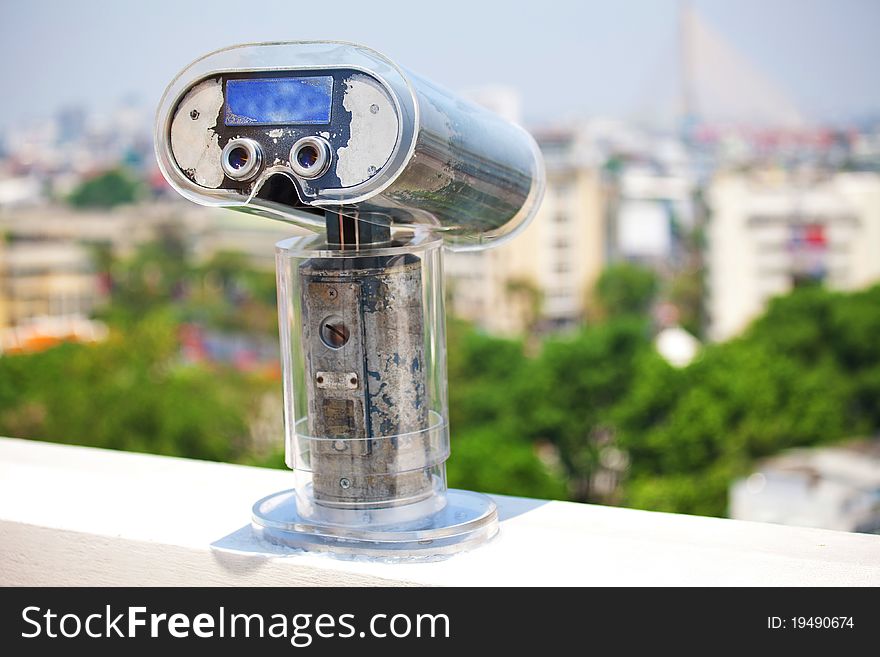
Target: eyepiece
310, 157
241, 159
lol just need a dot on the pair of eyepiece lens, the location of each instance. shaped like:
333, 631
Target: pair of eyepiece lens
243, 158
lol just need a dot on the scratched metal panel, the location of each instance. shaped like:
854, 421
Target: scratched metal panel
370, 404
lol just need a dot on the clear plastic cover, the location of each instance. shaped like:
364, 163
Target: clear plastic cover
399, 150
363, 349
387, 169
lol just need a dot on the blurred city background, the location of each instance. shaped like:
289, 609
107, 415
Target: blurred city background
691, 324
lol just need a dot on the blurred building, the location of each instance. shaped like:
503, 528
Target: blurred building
826, 487
543, 278
226, 230
771, 231
653, 208
20, 191
122, 229
44, 279
48, 274
43, 332
48, 289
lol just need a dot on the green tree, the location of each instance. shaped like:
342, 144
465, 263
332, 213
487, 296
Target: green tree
154, 278
572, 387
806, 373
685, 290
802, 375
625, 289
491, 448
226, 292
129, 393
496, 459
813, 325
106, 190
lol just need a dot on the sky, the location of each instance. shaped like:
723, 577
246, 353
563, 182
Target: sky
566, 59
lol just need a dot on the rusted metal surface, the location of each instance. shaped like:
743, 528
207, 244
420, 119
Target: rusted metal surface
368, 413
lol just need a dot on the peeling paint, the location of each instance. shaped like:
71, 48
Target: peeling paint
194, 141
383, 311
373, 134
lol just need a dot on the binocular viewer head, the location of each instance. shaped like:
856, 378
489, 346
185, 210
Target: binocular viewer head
293, 131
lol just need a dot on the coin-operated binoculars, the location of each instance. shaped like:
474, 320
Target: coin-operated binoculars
387, 170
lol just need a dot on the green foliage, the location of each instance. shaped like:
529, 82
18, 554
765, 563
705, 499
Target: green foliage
685, 291
806, 373
227, 278
491, 451
132, 391
106, 190
572, 387
484, 371
703, 493
225, 292
626, 289
150, 280
496, 460
815, 326
128, 393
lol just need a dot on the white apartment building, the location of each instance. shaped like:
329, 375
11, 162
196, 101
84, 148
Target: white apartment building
767, 231
545, 275
651, 206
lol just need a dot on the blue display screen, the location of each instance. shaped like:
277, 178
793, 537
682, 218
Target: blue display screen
276, 101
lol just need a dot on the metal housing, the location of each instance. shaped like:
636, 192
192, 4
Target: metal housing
403, 149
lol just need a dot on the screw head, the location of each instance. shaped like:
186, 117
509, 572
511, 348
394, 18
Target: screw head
194, 114
334, 333
344, 483
332, 293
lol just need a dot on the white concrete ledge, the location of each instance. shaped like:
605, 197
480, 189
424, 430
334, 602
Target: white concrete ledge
80, 516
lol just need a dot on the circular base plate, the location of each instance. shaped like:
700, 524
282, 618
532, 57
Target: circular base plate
467, 520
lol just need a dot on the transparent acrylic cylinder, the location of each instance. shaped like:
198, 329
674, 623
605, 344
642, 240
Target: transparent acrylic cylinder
365, 403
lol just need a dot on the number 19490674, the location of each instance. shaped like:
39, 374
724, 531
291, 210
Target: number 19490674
810, 623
